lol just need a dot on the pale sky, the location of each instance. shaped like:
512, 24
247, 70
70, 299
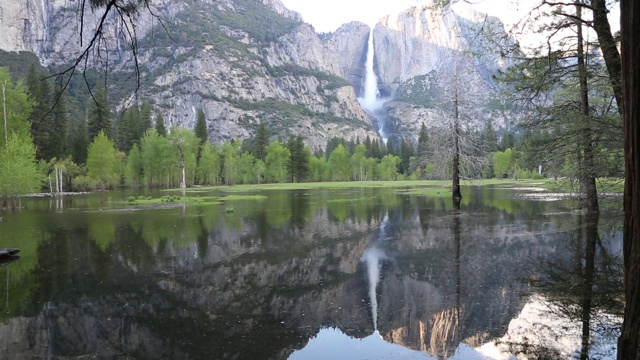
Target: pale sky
328, 15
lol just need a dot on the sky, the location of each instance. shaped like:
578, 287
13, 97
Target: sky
328, 15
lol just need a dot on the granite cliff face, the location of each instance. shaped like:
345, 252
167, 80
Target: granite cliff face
241, 61
244, 62
422, 53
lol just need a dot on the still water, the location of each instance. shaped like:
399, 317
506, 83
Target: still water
365, 273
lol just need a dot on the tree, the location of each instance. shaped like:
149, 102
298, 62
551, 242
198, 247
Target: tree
15, 108
144, 121
78, 139
58, 135
128, 127
201, 127
230, 156
388, 167
262, 141
339, 164
423, 145
455, 148
185, 144
209, 165
157, 158
359, 163
298, 165
159, 125
19, 173
134, 169
99, 116
629, 343
276, 160
102, 164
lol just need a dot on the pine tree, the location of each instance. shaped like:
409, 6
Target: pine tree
201, 127
159, 126
128, 128
261, 143
423, 141
99, 116
78, 141
144, 121
58, 135
490, 138
298, 165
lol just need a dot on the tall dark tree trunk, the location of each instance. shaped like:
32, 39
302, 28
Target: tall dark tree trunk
609, 49
629, 343
587, 171
456, 139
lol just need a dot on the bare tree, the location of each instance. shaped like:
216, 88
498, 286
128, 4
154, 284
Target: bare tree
455, 148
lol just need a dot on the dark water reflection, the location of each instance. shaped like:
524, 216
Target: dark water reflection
96, 278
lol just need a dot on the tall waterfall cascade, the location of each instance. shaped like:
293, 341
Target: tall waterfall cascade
371, 100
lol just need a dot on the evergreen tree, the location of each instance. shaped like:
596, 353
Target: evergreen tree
144, 121
298, 165
58, 135
201, 127
78, 141
159, 126
507, 141
423, 141
490, 138
99, 116
367, 144
406, 152
262, 141
128, 128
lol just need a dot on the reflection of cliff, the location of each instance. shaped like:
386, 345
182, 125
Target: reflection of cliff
243, 287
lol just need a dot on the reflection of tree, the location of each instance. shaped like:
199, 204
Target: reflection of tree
588, 283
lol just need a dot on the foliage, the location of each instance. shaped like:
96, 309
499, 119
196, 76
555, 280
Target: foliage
102, 164
200, 129
276, 162
18, 108
19, 173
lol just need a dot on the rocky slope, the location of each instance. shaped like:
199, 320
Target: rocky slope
241, 61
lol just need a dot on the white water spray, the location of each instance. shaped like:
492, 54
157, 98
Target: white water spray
371, 100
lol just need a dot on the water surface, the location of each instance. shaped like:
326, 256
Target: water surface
366, 273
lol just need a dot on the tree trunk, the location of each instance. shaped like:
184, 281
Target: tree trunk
609, 49
629, 343
587, 173
456, 139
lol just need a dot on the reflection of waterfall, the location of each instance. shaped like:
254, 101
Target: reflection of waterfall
374, 256
371, 100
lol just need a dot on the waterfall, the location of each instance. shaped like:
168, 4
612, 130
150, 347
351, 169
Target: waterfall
371, 100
